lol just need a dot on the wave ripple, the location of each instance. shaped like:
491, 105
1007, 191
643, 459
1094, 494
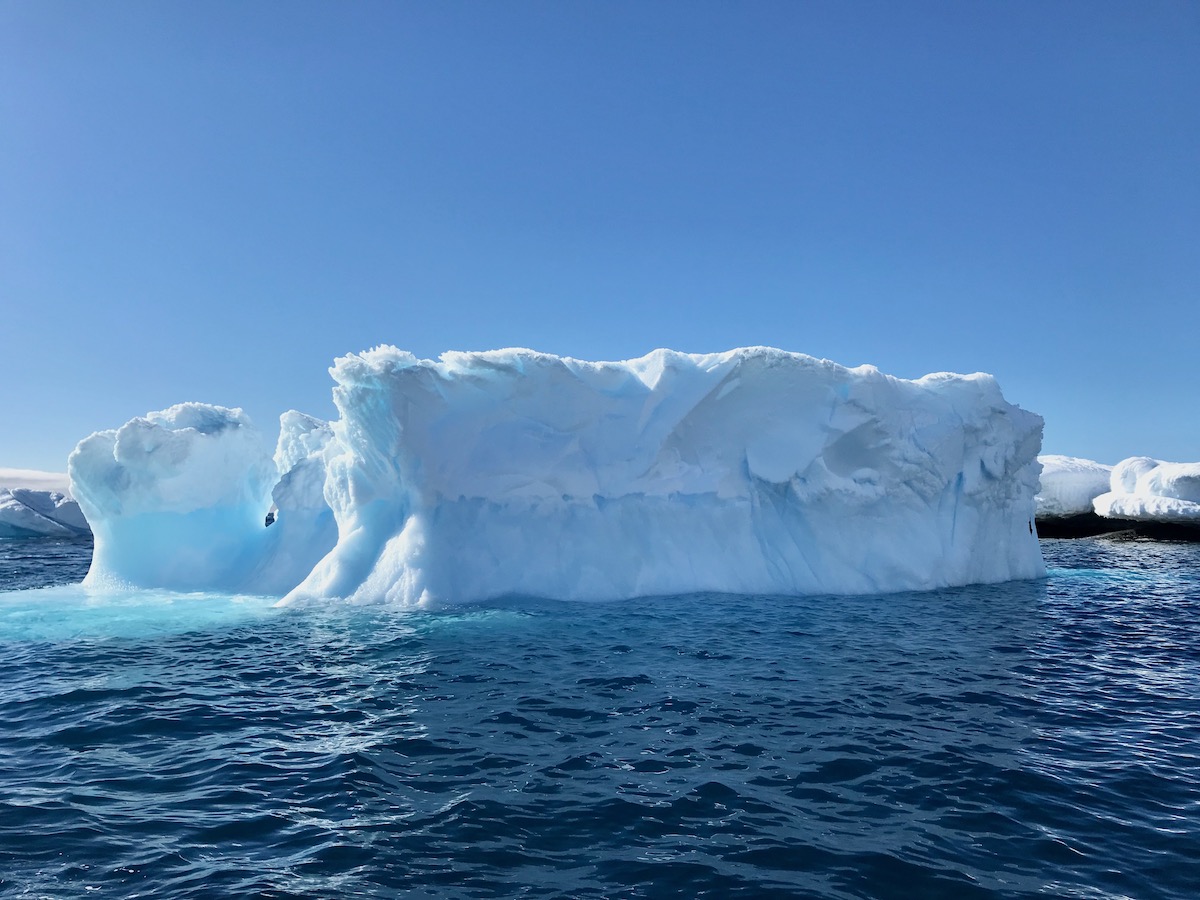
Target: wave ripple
1020, 740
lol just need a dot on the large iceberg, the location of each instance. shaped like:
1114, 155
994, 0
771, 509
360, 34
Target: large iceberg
1142, 489
511, 472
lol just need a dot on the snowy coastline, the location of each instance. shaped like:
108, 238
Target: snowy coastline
1142, 496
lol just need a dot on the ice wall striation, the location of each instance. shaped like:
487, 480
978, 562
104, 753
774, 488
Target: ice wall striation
481, 475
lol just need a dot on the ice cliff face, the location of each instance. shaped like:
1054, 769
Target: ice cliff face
512, 472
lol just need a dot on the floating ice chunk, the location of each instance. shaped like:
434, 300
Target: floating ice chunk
179, 499
35, 504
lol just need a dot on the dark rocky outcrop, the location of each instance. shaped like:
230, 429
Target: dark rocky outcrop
1081, 525
1091, 525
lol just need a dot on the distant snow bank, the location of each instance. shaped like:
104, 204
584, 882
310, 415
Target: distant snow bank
1142, 489
34, 504
1069, 485
1136, 490
511, 472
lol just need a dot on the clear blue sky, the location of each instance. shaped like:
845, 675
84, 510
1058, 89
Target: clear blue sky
210, 201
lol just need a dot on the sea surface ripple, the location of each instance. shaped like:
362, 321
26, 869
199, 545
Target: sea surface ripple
1019, 740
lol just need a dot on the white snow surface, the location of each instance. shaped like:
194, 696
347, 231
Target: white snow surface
511, 472
35, 504
25, 512
1150, 490
1069, 485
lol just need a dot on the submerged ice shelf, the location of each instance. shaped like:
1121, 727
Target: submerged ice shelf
481, 475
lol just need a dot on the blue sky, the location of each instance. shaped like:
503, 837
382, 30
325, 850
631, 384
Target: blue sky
210, 201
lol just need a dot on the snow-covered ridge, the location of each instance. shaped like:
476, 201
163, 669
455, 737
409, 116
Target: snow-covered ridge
35, 504
513, 472
1149, 497
1069, 485
1142, 489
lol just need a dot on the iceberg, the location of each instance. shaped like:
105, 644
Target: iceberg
36, 504
1064, 501
178, 500
512, 472
1069, 485
1146, 490
25, 512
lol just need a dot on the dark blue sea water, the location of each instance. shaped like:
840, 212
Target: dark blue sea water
1032, 739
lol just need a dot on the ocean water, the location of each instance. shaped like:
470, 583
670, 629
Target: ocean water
1023, 740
